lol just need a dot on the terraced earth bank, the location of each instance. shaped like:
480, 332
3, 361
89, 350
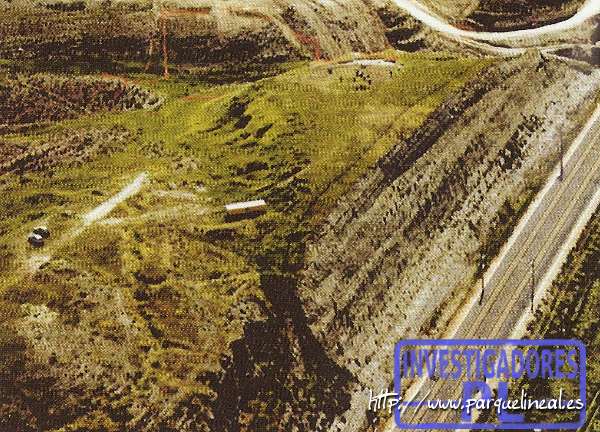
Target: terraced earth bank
206, 32
502, 15
405, 246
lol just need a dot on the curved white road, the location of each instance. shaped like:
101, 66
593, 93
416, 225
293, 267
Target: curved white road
590, 9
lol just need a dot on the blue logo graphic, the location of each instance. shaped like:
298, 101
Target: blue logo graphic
465, 383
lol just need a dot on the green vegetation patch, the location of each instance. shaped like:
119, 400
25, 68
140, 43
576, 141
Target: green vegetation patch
190, 278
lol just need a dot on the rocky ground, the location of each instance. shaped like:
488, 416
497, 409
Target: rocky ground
40, 98
62, 150
499, 15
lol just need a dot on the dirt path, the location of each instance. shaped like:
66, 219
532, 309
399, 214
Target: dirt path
106, 207
188, 210
36, 260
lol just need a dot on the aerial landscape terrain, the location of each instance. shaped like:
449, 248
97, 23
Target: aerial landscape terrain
222, 215
503, 15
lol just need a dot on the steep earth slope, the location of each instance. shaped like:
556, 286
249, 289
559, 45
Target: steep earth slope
500, 15
195, 31
404, 248
204, 32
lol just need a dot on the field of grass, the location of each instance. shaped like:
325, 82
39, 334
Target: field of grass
298, 140
189, 280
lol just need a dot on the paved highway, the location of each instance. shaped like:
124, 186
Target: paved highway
544, 235
558, 214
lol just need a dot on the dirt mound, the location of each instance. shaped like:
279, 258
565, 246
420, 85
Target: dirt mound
272, 28
26, 99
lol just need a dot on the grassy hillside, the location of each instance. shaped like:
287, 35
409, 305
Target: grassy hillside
166, 315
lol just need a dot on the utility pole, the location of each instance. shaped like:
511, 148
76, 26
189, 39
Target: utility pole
532, 283
156, 11
165, 47
482, 289
482, 268
562, 165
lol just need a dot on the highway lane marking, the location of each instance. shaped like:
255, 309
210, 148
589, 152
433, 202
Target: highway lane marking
496, 294
525, 220
413, 390
559, 260
535, 206
588, 212
531, 234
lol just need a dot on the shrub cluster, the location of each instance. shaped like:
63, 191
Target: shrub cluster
35, 98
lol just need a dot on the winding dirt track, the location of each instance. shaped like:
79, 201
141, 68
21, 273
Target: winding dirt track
96, 214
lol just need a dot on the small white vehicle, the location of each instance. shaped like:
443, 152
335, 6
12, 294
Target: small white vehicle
38, 236
42, 231
35, 240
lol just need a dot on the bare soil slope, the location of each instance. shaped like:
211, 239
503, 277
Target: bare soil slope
26, 99
195, 31
203, 32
